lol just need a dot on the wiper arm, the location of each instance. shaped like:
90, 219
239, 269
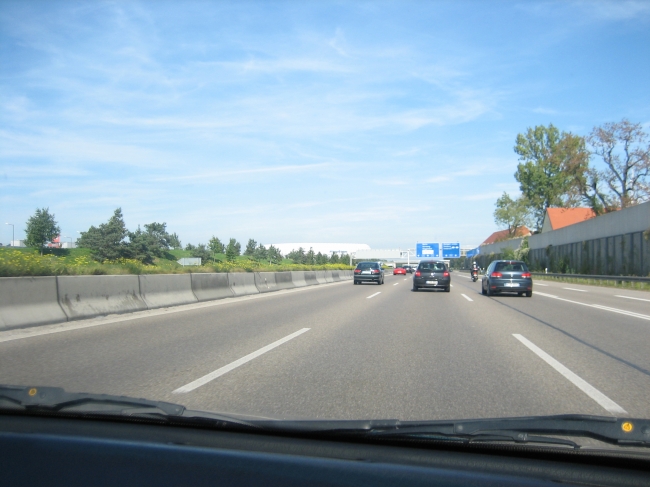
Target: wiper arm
56, 399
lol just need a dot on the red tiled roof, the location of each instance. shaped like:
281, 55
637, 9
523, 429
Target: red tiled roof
503, 235
563, 217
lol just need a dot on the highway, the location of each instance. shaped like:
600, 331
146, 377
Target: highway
348, 352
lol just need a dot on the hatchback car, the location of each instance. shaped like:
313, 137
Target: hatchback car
369, 272
399, 270
432, 274
509, 276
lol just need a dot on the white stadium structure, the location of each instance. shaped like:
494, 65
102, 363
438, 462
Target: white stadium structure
324, 248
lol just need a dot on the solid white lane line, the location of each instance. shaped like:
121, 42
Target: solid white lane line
574, 289
630, 297
467, 297
577, 381
598, 306
233, 365
540, 284
373, 295
396, 284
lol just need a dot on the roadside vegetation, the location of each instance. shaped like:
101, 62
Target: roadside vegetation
636, 286
110, 248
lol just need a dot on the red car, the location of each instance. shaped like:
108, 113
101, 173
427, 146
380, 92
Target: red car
399, 270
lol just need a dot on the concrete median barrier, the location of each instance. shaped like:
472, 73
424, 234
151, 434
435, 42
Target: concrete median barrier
328, 276
265, 282
298, 278
336, 277
242, 283
88, 296
208, 286
29, 301
310, 278
320, 277
163, 290
283, 280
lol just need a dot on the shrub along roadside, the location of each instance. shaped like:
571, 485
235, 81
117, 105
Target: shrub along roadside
28, 262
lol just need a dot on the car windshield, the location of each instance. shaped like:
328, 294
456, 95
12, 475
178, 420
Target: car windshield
209, 204
511, 267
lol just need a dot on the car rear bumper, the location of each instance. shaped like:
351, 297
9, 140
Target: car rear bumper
422, 282
367, 278
511, 285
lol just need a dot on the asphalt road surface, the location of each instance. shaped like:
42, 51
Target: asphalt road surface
348, 352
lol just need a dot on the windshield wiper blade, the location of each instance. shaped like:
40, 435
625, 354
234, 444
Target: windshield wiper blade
56, 399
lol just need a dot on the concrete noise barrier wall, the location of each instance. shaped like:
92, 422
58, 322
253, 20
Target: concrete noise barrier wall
242, 283
28, 301
89, 296
298, 278
328, 276
162, 290
320, 277
265, 282
207, 287
284, 280
310, 278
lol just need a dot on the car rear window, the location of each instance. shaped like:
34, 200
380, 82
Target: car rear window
432, 266
511, 267
367, 265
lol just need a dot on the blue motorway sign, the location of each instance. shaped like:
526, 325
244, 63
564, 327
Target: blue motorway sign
427, 250
451, 250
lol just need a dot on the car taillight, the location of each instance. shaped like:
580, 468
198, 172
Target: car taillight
526, 274
496, 274
375, 271
445, 274
418, 273
357, 271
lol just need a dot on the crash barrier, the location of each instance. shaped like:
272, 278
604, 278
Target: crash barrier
34, 301
283, 280
208, 286
591, 277
265, 282
88, 296
298, 278
163, 290
242, 284
26, 301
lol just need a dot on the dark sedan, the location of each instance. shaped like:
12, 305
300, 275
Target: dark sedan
432, 274
507, 276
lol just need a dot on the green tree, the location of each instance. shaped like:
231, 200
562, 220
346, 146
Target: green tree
344, 258
624, 148
334, 258
189, 246
106, 242
216, 246
41, 228
297, 256
175, 241
260, 254
142, 246
552, 166
310, 257
511, 214
250, 247
202, 252
274, 255
321, 259
232, 250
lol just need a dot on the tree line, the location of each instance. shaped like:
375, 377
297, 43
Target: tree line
112, 241
558, 169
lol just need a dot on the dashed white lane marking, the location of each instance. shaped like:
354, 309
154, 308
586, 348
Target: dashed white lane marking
405, 279
373, 295
233, 365
451, 285
396, 284
467, 297
630, 297
577, 381
598, 306
540, 284
574, 289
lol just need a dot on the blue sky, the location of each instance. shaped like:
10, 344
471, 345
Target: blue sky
383, 123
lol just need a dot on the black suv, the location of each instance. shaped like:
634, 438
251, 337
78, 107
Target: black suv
369, 272
432, 274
